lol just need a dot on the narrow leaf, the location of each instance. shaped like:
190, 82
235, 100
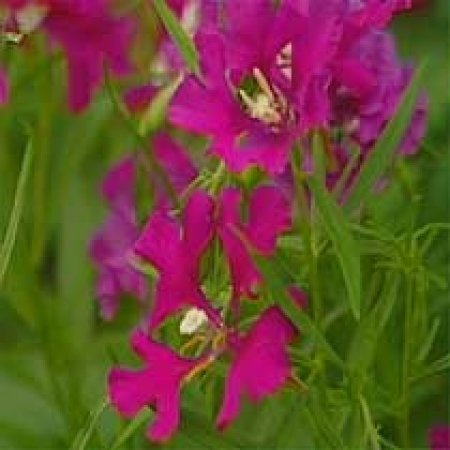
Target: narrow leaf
365, 339
82, 439
143, 417
179, 35
16, 214
345, 246
386, 145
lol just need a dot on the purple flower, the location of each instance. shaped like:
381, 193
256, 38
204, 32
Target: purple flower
261, 364
90, 35
439, 437
175, 248
112, 245
370, 114
158, 385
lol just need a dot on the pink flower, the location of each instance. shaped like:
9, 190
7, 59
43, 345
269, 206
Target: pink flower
261, 363
111, 247
269, 215
157, 385
260, 366
248, 125
90, 35
439, 437
175, 249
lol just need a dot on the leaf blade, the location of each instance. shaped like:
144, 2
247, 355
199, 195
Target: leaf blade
183, 41
347, 250
16, 214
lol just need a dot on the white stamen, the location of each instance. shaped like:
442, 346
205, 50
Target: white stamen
30, 17
193, 320
263, 84
261, 107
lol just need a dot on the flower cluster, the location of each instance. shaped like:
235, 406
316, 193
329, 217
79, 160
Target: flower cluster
175, 247
273, 76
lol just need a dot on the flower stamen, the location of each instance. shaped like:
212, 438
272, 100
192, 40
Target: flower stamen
267, 104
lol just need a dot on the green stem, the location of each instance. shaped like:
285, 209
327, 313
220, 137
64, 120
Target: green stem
405, 365
43, 132
370, 426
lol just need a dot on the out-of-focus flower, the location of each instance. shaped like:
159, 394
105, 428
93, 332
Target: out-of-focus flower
4, 87
89, 34
371, 113
112, 245
439, 437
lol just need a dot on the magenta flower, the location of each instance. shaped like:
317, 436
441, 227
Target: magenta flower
261, 363
246, 106
113, 243
157, 385
260, 366
4, 87
90, 35
175, 249
269, 215
439, 437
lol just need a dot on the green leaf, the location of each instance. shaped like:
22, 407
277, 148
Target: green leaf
386, 145
346, 248
179, 35
204, 434
154, 116
143, 417
82, 439
364, 342
19, 203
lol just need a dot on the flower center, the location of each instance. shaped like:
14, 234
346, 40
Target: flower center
266, 103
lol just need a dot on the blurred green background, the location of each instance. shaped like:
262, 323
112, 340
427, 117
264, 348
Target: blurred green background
54, 349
